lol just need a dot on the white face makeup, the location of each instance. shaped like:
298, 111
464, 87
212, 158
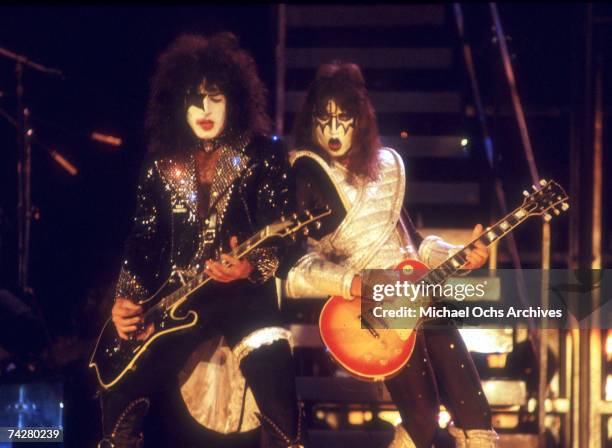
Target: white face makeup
206, 111
334, 130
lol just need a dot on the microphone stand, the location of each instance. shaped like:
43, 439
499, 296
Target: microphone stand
24, 162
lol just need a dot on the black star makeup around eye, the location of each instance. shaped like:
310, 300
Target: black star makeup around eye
206, 109
333, 128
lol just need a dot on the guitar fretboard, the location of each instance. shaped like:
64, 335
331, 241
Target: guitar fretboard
497, 231
202, 278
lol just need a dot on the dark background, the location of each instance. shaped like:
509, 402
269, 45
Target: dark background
108, 54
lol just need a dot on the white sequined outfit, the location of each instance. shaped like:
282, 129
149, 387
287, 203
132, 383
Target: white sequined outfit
368, 238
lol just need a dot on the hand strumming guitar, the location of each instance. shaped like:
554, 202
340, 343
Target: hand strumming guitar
128, 318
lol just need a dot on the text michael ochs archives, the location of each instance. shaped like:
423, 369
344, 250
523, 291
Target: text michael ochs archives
485, 299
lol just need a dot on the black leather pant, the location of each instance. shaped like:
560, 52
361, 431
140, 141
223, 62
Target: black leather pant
268, 371
440, 370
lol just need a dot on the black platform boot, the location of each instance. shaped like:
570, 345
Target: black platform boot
126, 430
270, 374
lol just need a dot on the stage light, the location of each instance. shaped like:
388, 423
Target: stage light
332, 420
609, 345
392, 417
275, 137
356, 418
497, 360
488, 340
444, 417
464, 142
609, 387
532, 403
404, 134
106, 139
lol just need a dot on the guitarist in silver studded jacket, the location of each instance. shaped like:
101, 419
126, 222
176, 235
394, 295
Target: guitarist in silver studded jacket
339, 161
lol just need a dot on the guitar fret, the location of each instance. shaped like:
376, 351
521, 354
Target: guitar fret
520, 214
443, 269
491, 235
434, 276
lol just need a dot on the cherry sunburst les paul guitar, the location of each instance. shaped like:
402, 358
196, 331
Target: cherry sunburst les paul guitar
378, 353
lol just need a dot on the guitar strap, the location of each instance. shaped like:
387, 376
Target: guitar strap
409, 228
210, 232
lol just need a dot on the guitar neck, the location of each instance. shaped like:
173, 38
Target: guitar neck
202, 278
494, 233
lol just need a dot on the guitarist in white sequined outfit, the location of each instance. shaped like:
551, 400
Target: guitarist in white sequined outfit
339, 161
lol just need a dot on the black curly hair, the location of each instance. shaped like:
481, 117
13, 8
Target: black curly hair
184, 64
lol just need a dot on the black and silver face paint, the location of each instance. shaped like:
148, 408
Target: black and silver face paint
334, 129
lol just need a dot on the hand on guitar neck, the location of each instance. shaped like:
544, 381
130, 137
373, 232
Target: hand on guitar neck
476, 259
229, 268
478, 256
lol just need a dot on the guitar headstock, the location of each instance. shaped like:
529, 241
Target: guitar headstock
293, 224
547, 197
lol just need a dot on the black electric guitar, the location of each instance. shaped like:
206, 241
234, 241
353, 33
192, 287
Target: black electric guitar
165, 312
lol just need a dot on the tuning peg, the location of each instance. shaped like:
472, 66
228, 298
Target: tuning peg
556, 212
318, 225
294, 216
525, 193
306, 231
564, 206
534, 188
543, 182
547, 217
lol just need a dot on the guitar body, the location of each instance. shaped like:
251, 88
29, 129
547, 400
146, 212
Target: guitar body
115, 359
166, 312
376, 354
367, 353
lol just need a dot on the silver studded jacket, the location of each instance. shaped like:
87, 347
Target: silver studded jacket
251, 187
367, 237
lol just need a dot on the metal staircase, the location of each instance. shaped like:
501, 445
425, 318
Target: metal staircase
409, 57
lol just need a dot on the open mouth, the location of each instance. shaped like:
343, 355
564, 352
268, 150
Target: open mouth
207, 125
334, 144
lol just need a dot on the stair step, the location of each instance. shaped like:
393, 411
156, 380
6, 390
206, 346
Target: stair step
383, 15
505, 392
358, 36
381, 439
354, 438
381, 79
465, 193
435, 146
351, 390
379, 57
398, 102
518, 440
341, 390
